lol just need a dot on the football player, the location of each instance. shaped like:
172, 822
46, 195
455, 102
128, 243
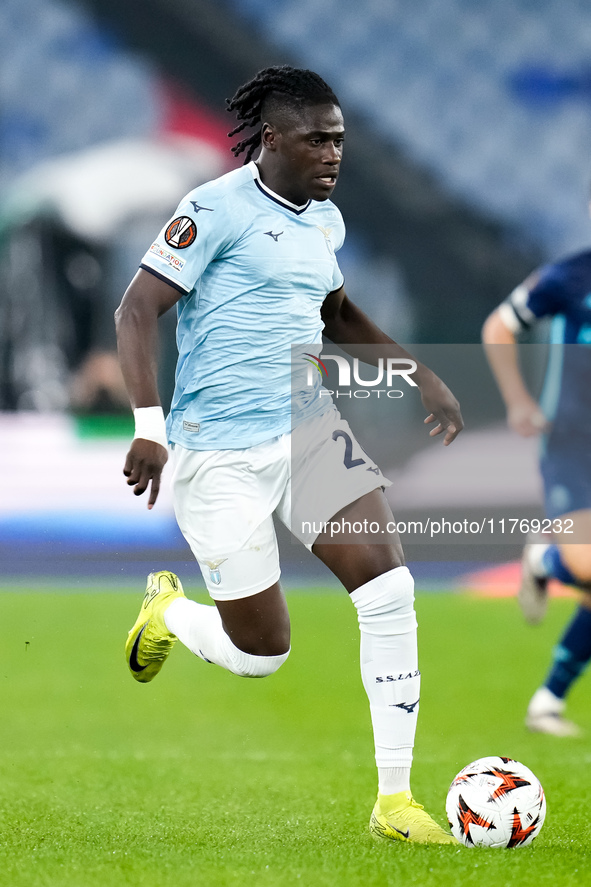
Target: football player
561, 291
249, 261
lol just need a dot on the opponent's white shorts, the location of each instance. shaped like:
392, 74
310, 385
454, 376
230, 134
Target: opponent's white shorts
224, 499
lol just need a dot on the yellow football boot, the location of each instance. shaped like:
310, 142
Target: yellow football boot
399, 818
149, 642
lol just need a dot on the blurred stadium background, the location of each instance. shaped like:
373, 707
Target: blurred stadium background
467, 163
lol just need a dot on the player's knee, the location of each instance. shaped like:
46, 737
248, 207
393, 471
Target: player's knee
582, 574
386, 604
274, 642
260, 666
579, 566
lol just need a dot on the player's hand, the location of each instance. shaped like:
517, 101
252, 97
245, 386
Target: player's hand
442, 407
144, 463
526, 418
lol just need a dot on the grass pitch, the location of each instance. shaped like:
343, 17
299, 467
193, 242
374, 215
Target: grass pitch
209, 780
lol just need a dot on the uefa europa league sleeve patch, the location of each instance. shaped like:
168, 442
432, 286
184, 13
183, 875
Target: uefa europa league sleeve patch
181, 232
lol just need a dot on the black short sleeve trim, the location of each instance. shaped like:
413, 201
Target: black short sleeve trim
163, 277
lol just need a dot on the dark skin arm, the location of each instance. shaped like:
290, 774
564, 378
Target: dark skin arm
136, 320
345, 324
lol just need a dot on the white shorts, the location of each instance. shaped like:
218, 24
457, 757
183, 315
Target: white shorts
224, 500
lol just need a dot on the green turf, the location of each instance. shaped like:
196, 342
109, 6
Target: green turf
206, 779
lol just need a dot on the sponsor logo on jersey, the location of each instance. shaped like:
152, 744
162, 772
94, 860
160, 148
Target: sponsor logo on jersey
274, 236
181, 232
161, 253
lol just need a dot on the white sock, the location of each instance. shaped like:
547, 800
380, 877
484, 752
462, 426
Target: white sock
200, 628
389, 670
392, 780
535, 557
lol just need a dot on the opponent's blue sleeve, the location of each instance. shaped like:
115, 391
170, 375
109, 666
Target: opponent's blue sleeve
541, 295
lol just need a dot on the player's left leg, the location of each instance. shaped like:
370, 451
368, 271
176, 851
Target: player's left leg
382, 589
566, 474
247, 636
149, 641
532, 595
224, 501
570, 564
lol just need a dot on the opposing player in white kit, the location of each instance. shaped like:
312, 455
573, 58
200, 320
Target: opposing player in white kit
249, 259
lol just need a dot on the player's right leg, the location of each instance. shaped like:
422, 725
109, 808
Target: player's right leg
382, 590
545, 713
338, 509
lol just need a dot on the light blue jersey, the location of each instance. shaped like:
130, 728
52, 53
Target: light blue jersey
254, 271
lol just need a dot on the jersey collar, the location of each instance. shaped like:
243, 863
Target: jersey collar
298, 210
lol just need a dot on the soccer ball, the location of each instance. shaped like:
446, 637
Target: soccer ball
495, 802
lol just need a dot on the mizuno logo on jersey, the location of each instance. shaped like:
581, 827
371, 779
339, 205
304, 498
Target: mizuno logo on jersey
274, 236
181, 232
198, 208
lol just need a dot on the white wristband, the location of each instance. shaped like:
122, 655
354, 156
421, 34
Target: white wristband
149, 425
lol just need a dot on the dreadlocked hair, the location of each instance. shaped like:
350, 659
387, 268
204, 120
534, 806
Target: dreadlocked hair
297, 87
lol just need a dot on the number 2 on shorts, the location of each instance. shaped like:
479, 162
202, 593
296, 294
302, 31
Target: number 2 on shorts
348, 461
